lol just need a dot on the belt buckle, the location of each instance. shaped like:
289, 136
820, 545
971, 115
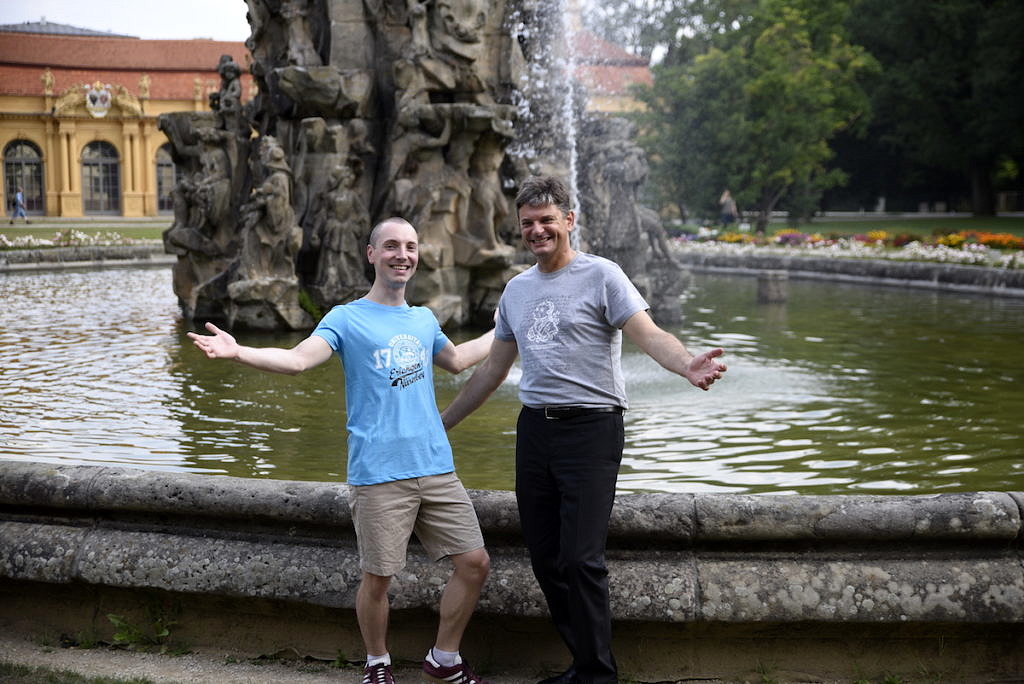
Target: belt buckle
562, 412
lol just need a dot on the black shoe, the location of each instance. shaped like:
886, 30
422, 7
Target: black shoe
566, 677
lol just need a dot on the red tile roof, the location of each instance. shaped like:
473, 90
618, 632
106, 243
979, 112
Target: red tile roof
86, 52
607, 69
591, 49
172, 65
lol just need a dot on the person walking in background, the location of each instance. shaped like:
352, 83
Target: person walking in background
729, 212
564, 317
19, 206
401, 474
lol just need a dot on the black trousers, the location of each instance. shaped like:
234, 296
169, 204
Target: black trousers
566, 472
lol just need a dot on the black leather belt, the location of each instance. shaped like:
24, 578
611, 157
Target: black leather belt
562, 412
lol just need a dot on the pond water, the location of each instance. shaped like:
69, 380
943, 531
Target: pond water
843, 389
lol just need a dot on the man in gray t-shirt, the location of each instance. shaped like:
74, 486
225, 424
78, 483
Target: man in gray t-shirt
564, 317
569, 331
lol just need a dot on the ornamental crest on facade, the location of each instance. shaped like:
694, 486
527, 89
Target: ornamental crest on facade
98, 99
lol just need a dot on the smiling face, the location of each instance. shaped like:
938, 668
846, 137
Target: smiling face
545, 232
393, 251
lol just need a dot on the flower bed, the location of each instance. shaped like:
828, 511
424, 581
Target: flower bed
66, 238
994, 250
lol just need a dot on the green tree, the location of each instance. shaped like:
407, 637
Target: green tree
948, 95
755, 112
640, 26
668, 31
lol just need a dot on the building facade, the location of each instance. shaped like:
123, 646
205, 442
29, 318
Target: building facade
78, 116
609, 73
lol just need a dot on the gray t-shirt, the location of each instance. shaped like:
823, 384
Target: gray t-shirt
567, 325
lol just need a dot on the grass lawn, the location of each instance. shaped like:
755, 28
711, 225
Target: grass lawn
48, 231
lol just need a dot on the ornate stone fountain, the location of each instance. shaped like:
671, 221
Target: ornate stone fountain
432, 110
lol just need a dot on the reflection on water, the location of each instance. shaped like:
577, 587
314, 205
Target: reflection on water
843, 389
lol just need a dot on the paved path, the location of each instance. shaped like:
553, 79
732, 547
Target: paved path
196, 668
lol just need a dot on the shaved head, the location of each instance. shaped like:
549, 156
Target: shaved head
394, 220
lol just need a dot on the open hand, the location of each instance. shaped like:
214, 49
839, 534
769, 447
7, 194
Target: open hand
219, 345
704, 369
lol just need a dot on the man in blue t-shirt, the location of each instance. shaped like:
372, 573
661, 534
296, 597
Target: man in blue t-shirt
400, 468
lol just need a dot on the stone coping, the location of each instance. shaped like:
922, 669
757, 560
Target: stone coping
918, 274
653, 520
949, 558
83, 257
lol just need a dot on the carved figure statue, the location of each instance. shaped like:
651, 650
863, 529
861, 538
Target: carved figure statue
128, 103
417, 161
47, 79
263, 289
228, 100
301, 51
418, 22
189, 234
344, 229
367, 109
651, 223
144, 83
488, 206
68, 100
451, 206
214, 190
456, 26
270, 236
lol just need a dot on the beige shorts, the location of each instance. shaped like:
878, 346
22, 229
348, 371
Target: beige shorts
436, 508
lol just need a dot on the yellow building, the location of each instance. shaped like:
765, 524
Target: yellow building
78, 116
606, 70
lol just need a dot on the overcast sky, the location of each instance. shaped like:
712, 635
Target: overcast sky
178, 19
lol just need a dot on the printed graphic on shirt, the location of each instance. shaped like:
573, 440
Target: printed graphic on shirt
404, 358
545, 322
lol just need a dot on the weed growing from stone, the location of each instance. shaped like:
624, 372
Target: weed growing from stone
155, 637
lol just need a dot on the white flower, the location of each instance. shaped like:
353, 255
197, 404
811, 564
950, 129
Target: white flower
846, 248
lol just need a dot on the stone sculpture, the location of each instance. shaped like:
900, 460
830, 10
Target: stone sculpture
228, 100
611, 179
263, 290
340, 240
417, 108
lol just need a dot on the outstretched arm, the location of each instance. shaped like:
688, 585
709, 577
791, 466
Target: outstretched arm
485, 379
701, 370
312, 351
456, 358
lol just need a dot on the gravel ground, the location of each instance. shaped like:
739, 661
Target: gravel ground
200, 667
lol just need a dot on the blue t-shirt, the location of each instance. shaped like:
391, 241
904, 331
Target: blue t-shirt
394, 428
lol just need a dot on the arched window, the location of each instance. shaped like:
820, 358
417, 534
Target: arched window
101, 179
23, 167
166, 177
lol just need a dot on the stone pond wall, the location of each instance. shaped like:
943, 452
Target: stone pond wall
917, 274
83, 257
715, 586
